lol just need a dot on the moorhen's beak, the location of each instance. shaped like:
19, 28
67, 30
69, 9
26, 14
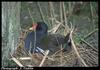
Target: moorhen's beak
34, 26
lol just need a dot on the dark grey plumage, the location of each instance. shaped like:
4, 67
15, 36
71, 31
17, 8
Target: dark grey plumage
47, 41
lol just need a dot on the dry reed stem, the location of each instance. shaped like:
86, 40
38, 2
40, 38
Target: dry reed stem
70, 10
74, 47
92, 14
51, 15
55, 28
57, 52
52, 8
24, 58
89, 44
69, 6
87, 54
44, 58
41, 13
88, 35
61, 20
63, 14
17, 61
65, 19
35, 31
49, 57
90, 58
61, 17
29, 65
30, 14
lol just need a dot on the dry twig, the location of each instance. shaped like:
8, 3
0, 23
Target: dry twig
47, 52
51, 9
30, 15
90, 33
24, 58
74, 47
65, 19
54, 29
16, 61
92, 14
41, 13
89, 44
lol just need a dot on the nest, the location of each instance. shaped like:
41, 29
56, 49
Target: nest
79, 56
82, 54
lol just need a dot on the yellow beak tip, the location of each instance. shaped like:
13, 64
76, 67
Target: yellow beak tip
30, 28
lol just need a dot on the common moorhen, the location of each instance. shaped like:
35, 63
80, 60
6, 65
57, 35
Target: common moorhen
44, 40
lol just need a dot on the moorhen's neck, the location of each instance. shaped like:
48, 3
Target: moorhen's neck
42, 28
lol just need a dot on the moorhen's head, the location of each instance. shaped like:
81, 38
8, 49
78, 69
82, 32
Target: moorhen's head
39, 27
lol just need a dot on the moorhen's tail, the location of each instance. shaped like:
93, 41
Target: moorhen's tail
68, 45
